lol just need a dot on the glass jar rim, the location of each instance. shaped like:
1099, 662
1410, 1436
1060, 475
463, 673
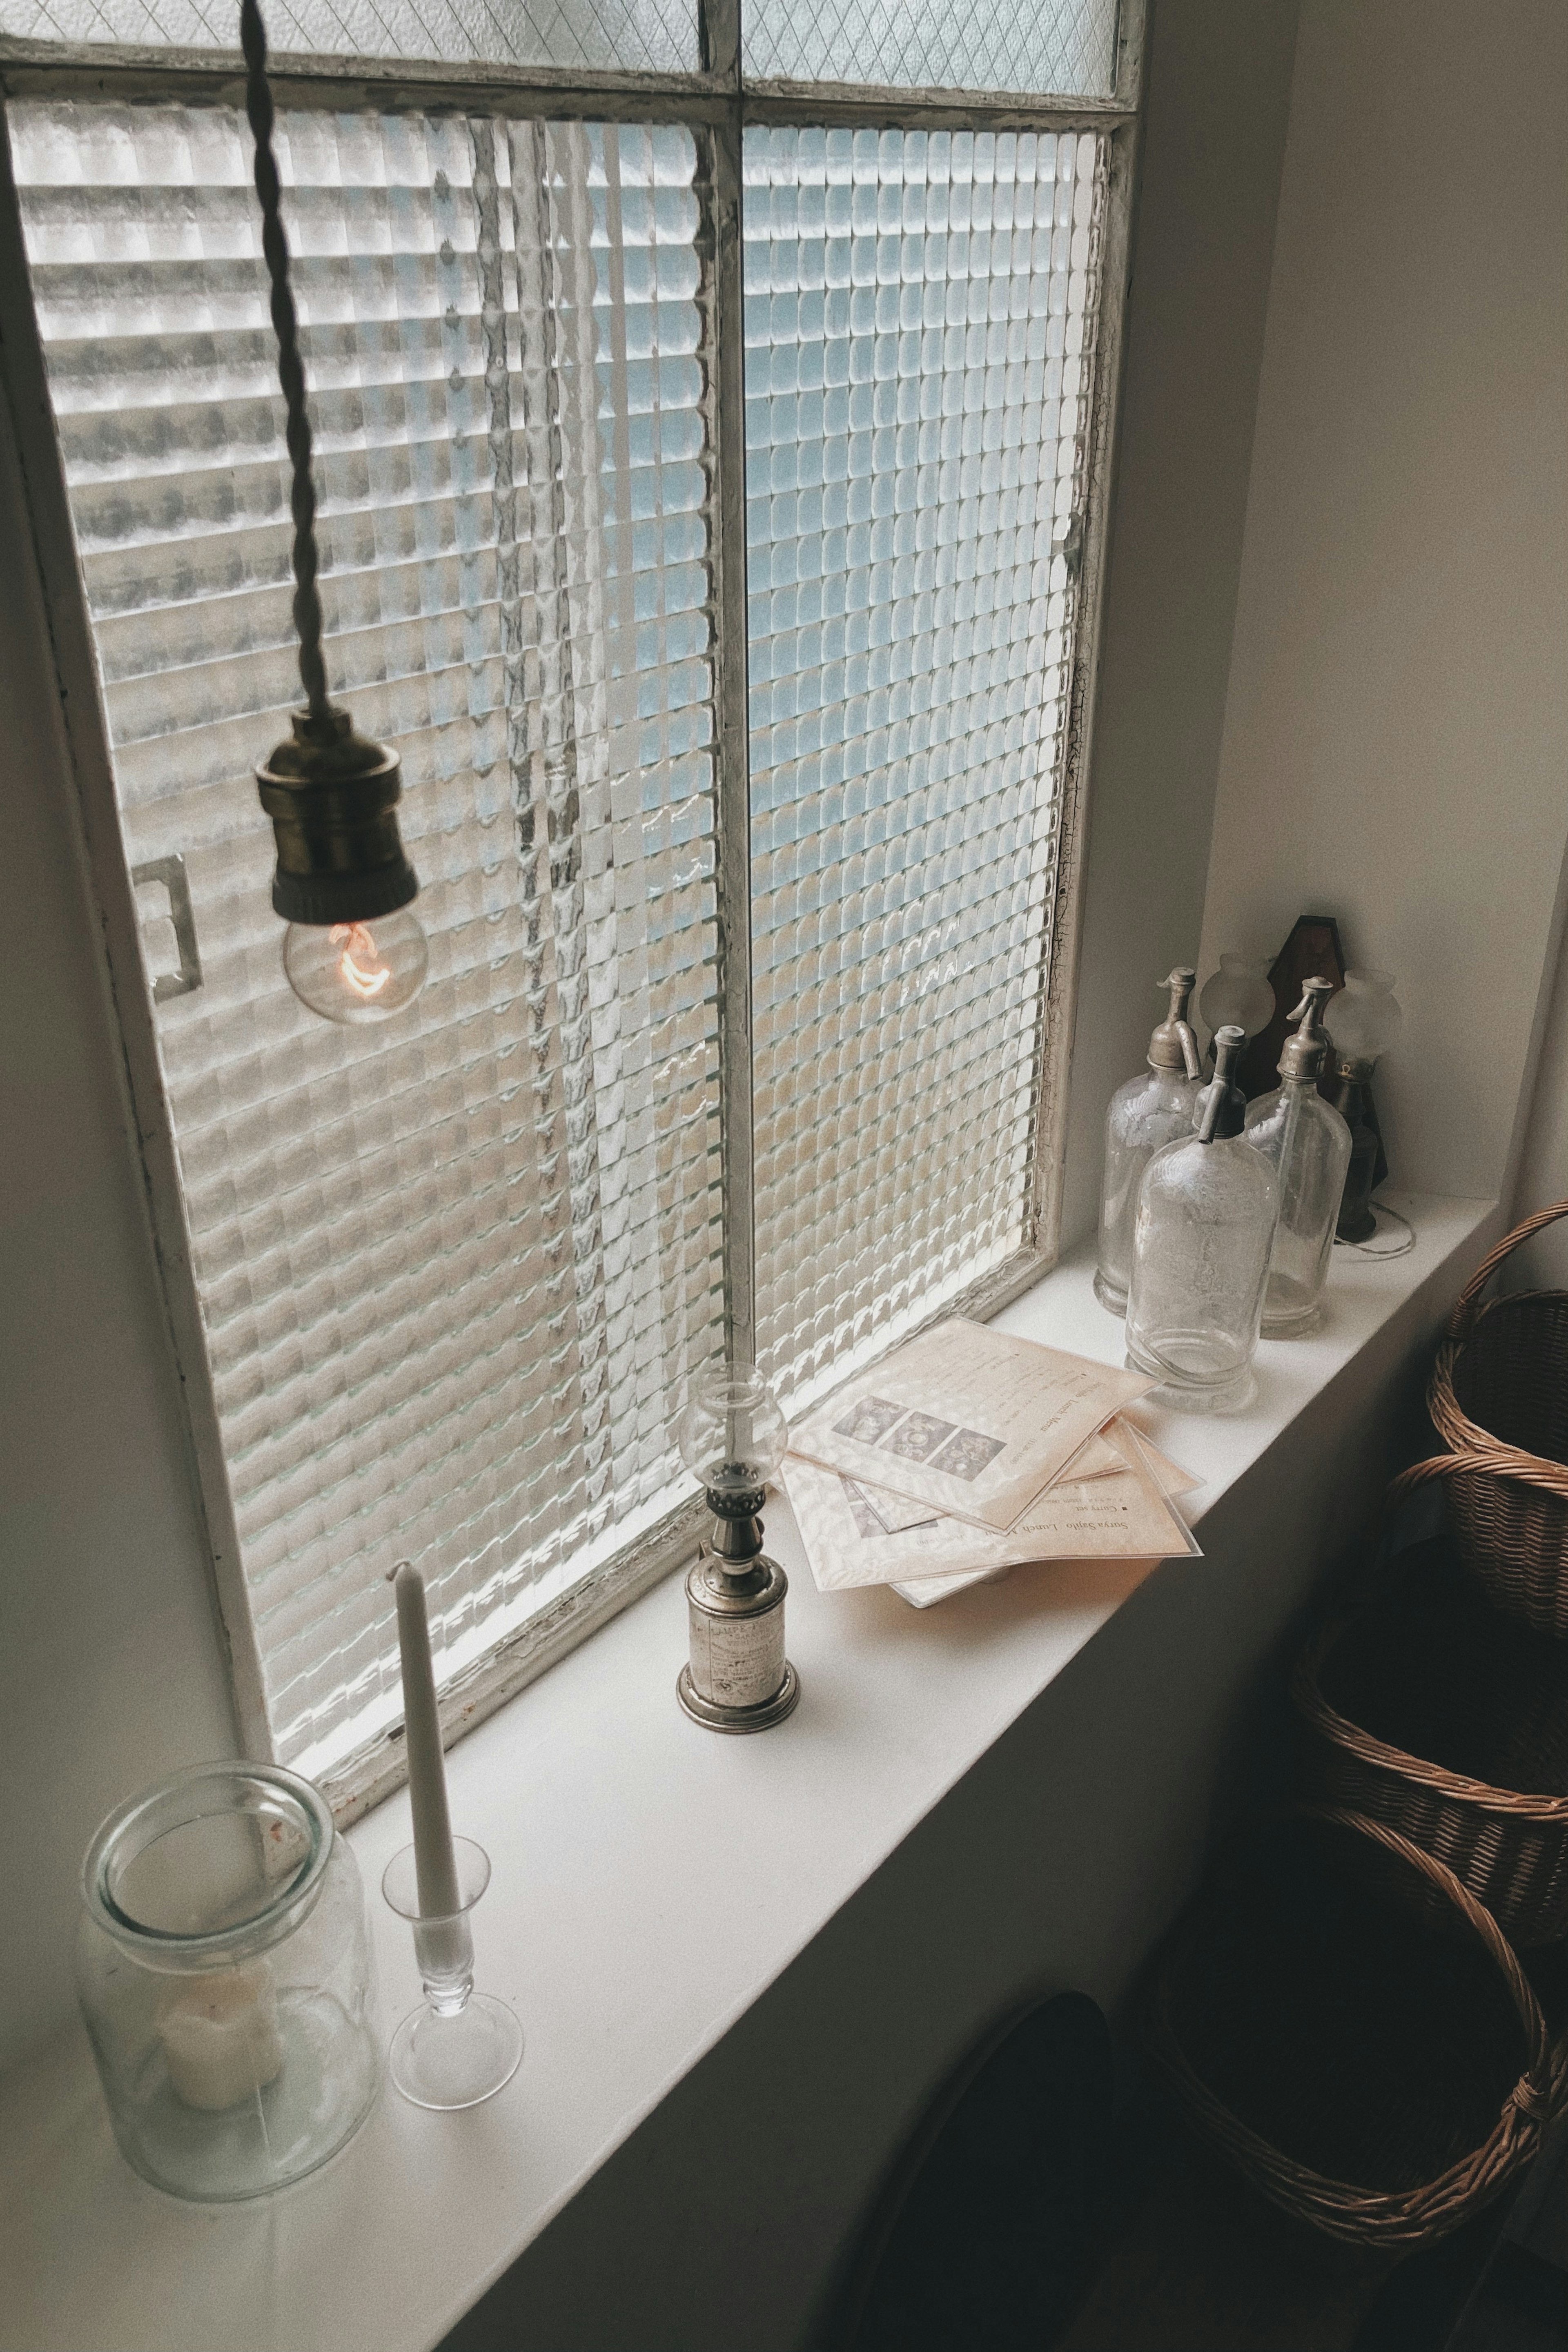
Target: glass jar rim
266, 1925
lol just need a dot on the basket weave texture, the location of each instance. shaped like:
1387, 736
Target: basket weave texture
1498, 1398
1427, 1712
1378, 2082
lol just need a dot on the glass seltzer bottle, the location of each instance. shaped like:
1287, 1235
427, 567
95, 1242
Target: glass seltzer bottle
1200, 1252
1152, 1109
1308, 1143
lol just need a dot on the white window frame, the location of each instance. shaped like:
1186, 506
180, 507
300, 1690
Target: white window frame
716, 103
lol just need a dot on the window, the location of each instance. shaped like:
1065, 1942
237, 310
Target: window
712, 464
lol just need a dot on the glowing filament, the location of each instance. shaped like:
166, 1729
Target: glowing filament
359, 963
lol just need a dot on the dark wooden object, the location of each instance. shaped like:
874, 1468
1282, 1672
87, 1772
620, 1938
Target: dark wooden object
1312, 948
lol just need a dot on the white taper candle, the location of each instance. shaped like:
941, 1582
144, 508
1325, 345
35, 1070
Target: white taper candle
434, 1860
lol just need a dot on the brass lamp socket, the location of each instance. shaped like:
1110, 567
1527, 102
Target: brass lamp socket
331, 795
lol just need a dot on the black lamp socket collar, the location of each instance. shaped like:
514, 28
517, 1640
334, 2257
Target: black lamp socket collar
331, 795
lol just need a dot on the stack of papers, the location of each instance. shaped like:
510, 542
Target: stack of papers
969, 1451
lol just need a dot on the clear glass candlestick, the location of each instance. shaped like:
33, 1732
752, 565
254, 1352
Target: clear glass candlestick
463, 2046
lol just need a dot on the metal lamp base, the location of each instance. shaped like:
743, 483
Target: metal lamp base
714, 1717
737, 1678
1356, 1221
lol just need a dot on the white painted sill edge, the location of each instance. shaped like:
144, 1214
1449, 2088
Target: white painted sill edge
650, 1881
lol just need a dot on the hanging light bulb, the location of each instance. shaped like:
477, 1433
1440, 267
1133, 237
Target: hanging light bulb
356, 972
353, 952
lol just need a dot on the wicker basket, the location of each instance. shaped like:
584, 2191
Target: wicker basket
1499, 1400
1380, 2082
1431, 1714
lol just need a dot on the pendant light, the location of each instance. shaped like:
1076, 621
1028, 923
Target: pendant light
354, 951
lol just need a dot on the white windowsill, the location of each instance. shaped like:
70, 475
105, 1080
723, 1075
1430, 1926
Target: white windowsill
650, 1881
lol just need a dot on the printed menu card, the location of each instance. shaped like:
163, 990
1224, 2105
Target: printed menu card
967, 1419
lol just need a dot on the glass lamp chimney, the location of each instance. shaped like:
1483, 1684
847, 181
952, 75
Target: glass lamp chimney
1239, 992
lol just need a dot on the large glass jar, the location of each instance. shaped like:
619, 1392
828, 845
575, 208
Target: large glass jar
1199, 1254
225, 1974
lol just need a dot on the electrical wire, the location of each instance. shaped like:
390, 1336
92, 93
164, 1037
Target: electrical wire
291, 367
1400, 1249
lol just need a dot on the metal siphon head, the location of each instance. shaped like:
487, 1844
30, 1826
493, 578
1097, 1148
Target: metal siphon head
1173, 1046
1222, 1106
1303, 1053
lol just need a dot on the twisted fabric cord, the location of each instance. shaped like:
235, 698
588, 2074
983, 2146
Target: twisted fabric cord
290, 367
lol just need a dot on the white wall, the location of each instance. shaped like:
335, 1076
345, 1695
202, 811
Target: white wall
110, 1669
1396, 732
1219, 85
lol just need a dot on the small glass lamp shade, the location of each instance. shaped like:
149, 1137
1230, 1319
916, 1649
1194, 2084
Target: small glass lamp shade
732, 1433
357, 972
1240, 993
225, 1976
1367, 1017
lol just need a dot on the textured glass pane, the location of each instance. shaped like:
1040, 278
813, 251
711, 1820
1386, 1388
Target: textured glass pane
920, 316
452, 1269
641, 34
1063, 48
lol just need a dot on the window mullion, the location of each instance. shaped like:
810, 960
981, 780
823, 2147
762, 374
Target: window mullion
721, 298
1059, 970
